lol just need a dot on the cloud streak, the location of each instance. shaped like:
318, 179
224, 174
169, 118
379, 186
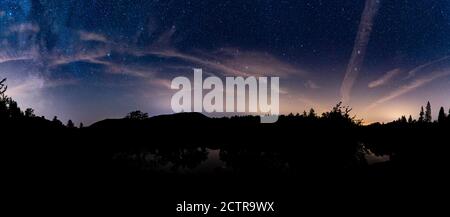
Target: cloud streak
91, 36
23, 27
409, 87
362, 39
237, 63
33, 84
414, 71
311, 85
224, 61
386, 78
11, 55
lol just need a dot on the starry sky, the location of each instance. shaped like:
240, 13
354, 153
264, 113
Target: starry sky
87, 60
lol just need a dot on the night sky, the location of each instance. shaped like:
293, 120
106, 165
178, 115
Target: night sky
89, 59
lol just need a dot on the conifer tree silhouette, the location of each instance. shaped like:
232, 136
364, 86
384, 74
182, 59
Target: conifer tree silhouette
312, 113
3, 102
56, 121
421, 114
428, 117
3, 87
13, 109
70, 124
441, 116
403, 119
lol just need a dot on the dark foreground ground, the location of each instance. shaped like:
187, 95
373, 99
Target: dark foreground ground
144, 168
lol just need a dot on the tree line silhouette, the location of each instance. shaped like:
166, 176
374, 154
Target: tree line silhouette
10, 111
142, 160
425, 117
297, 142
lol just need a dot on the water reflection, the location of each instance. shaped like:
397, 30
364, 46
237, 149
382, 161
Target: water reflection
182, 160
191, 159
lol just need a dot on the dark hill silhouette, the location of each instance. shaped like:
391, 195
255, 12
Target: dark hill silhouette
171, 119
181, 117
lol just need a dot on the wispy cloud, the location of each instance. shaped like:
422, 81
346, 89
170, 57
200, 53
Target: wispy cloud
23, 27
409, 87
166, 83
28, 85
33, 84
91, 36
164, 41
311, 85
239, 63
86, 55
224, 61
221, 62
386, 78
128, 69
414, 71
7, 55
359, 48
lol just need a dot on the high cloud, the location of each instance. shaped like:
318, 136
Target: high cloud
386, 78
359, 48
414, 71
234, 62
7, 55
24, 27
311, 85
410, 87
91, 36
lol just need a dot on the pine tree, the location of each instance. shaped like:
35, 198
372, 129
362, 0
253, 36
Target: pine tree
410, 120
3, 87
70, 124
13, 109
3, 108
312, 113
428, 117
56, 122
441, 116
3, 100
421, 114
403, 119
81, 125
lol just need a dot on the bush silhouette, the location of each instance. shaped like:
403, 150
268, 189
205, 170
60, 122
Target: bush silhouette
136, 115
